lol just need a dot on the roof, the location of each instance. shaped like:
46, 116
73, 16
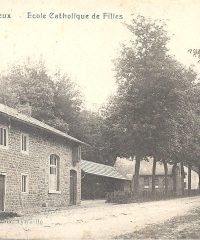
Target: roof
101, 170
127, 167
13, 113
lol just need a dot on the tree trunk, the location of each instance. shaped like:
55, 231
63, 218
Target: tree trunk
189, 179
166, 176
135, 182
174, 178
182, 178
153, 175
199, 177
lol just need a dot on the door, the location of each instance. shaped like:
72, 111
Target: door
73, 187
2, 192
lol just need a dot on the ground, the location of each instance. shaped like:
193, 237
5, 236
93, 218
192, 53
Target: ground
181, 227
97, 220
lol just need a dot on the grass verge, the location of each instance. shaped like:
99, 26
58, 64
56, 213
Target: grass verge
183, 227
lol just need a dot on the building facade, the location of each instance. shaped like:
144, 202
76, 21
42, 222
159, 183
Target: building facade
39, 165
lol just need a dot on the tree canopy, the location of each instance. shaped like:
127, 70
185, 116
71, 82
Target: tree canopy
55, 99
152, 108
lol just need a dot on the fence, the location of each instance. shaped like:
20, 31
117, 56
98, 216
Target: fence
144, 196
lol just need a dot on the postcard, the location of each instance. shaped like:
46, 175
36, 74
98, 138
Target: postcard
99, 119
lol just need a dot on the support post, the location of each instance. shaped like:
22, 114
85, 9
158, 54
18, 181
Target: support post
189, 179
199, 177
166, 176
153, 175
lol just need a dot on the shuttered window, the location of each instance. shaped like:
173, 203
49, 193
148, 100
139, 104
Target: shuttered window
3, 137
54, 172
24, 143
24, 183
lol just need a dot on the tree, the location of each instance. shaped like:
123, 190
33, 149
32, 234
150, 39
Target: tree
90, 131
26, 83
166, 175
54, 100
68, 102
182, 178
151, 108
196, 143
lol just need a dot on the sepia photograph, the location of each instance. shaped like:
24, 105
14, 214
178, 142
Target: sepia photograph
99, 119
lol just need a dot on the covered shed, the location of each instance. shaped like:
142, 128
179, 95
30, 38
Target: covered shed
97, 179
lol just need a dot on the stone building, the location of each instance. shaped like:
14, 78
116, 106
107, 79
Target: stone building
39, 165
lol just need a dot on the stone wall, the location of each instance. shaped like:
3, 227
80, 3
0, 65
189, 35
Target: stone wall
14, 163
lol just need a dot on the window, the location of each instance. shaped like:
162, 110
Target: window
146, 182
24, 143
54, 173
3, 137
76, 154
24, 183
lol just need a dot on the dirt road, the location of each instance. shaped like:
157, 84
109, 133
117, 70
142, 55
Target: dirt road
95, 220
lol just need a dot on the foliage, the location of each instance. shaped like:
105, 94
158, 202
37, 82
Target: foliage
91, 130
195, 53
68, 101
153, 109
54, 100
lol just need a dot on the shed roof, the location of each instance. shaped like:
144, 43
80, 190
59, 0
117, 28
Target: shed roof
127, 167
13, 113
101, 170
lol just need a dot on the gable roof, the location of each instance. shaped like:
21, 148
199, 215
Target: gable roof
127, 167
13, 113
101, 170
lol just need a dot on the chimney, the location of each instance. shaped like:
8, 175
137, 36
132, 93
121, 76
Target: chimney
24, 108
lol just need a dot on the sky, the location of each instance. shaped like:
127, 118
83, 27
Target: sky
86, 48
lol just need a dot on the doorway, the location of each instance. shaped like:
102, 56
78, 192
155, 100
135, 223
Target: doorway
73, 187
2, 192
